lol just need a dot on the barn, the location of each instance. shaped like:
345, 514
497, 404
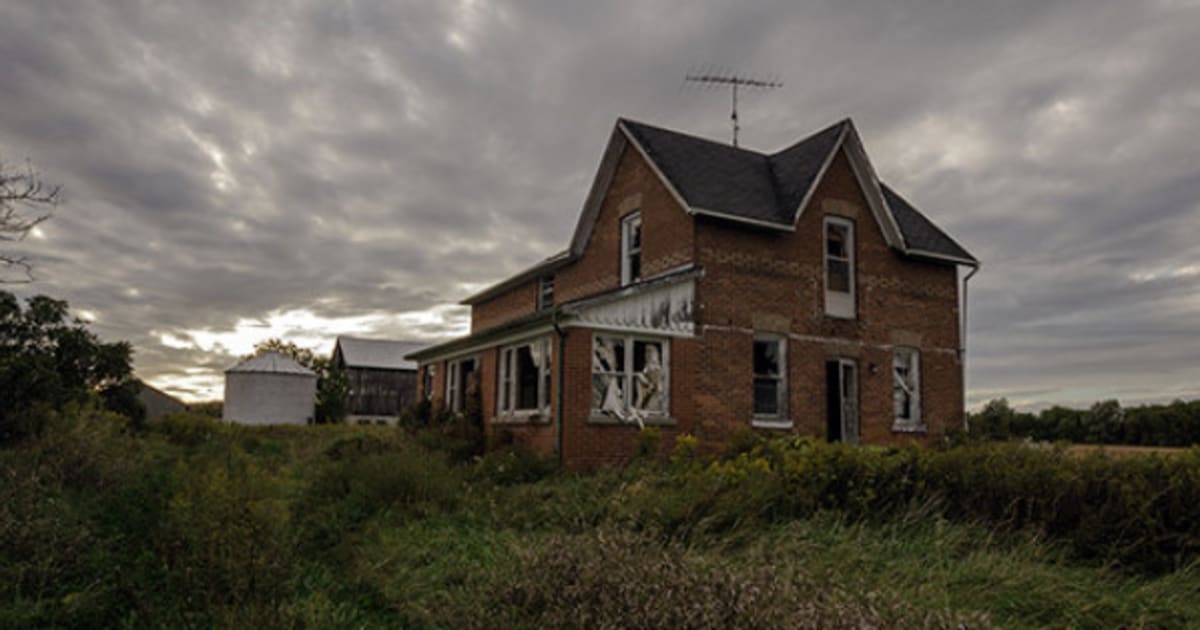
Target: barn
382, 382
271, 388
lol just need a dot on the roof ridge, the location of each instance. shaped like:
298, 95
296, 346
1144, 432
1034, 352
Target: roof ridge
691, 136
841, 123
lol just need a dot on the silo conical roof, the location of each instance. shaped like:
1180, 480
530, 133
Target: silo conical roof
272, 362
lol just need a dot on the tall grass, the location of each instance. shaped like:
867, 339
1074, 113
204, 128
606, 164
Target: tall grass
194, 523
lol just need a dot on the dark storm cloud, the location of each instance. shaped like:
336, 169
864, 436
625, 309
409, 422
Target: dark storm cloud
228, 160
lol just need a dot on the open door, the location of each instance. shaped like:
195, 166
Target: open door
841, 387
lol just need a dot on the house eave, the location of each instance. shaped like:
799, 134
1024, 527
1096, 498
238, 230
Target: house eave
782, 227
553, 263
529, 324
922, 253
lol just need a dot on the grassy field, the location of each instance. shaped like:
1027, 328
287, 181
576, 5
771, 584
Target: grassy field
194, 524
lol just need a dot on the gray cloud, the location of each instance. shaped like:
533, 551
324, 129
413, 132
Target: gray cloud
227, 160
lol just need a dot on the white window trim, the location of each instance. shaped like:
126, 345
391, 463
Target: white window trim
454, 378
838, 304
506, 390
545, 282
916, 421
782, 419
628, 373
627, 223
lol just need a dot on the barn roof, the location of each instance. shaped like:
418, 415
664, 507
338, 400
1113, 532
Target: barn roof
377, 353
272, 362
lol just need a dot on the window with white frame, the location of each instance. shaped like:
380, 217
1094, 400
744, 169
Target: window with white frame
906, 388
770, 377
545, 292
452, 385
458, 375
629, 376
839, 267
631, 248
524, 379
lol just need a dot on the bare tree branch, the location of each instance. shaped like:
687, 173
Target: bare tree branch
25, 201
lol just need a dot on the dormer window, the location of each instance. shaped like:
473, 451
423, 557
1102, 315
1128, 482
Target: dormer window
631, 248
839, 267
545, 293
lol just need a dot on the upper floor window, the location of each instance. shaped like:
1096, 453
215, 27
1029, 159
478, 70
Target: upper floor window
545, 293
906, 388
631, 248
770, 377
839, 267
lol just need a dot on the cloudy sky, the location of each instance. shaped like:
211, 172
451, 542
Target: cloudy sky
238, 170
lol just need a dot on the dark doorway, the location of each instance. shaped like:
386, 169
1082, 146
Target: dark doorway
841, 396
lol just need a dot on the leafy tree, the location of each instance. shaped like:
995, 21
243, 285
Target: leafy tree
24, 199
49, 359
333, 385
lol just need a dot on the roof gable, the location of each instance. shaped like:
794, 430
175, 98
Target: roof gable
772, 191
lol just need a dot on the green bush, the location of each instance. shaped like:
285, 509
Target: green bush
346, 492
1135, 511
648, 441
514, 465
613, 578
189, 429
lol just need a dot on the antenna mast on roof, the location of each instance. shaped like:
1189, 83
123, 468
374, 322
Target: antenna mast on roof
733, 80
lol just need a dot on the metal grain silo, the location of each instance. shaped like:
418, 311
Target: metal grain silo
271, 388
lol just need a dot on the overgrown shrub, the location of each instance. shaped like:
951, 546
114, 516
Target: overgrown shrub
514, 465
345, 492
459, 435
649, 439
1134, 511
613, 578
189, 429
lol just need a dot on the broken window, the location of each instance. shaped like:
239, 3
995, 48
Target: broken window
631, 248
427, 385
839, 267
545, 292
629, 377
458, 379
906, 388
524, 380
770, 377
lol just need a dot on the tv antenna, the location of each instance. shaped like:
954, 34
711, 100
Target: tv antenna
734, 81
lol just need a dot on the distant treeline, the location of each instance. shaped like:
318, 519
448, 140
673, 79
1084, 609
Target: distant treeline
1106, 422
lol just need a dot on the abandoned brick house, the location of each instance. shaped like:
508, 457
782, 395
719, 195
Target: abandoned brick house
709, 288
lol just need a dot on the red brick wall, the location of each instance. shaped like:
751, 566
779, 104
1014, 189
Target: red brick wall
760, 280
667, 242
754, 280
588, 445
518, 301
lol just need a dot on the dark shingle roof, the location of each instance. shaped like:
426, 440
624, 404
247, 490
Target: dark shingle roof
919, 232
711, 175
745, 184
